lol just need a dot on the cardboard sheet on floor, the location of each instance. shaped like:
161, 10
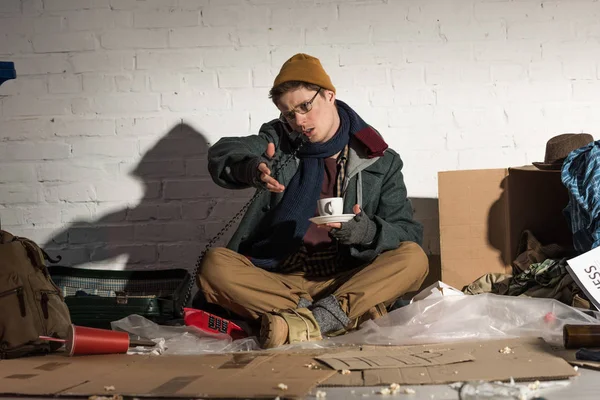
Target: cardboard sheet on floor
258, 374
246, 375
528, 359
397, 358
569, 356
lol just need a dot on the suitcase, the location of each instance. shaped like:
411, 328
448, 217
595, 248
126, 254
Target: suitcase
97, 297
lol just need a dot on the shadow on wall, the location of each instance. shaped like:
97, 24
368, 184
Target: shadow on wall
426, 211
180, 211
530, 200
496, 226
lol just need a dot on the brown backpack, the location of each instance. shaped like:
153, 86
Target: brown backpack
31, 305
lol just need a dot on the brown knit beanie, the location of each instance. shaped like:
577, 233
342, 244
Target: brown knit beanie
304, 68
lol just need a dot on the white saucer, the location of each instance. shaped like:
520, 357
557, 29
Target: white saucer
327, 219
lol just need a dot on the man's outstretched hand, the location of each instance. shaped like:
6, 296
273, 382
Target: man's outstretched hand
265, 173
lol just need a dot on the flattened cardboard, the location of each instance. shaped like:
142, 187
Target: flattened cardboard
465, 200
569, 356
397, 358
246, 375
531, 359
54, 374
257, 374
483, 213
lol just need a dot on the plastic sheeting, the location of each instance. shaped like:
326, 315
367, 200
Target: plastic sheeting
436, 320
478, 317
483, 390
181, 339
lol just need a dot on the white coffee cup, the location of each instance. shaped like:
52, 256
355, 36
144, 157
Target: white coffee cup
331, 206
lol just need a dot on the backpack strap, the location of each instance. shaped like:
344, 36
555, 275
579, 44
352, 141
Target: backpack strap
5, 237
29, 349
36, 254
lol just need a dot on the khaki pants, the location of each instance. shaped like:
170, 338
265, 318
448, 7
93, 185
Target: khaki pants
232, 281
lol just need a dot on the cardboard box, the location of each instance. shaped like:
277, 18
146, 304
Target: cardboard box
483, 213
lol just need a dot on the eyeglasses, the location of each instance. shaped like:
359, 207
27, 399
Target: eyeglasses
301, 108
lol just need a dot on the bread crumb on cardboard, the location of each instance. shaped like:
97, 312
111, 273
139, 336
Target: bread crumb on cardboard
506, 350
282, 386
345, 372
109, 388
320, 394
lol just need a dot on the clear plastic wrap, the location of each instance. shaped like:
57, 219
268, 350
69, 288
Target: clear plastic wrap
473, 317
482, 390
427, 321
183, 339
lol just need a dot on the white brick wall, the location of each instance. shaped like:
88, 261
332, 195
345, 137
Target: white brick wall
103, 136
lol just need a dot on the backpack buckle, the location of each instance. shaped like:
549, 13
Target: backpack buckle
121, 297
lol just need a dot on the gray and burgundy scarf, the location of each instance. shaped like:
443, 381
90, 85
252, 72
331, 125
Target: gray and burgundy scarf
281, 232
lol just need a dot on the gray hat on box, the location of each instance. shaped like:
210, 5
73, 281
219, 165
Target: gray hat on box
559, 147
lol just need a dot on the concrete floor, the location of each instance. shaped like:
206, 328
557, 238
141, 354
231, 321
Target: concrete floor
586, 386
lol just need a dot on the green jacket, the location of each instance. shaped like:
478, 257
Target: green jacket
376, 184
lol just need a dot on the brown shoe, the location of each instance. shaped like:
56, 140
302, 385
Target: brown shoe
273, 331
288, 327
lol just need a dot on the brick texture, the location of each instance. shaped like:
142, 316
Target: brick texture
104, 134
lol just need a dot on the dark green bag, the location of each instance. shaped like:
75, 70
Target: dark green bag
97, 297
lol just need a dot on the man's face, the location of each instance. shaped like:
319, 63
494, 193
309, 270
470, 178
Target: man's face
320, 123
